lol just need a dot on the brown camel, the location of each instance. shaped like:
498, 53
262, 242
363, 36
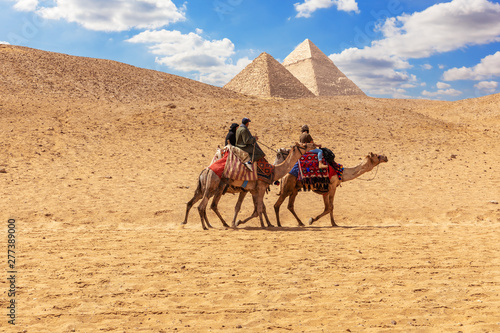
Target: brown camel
209, 184
291, 187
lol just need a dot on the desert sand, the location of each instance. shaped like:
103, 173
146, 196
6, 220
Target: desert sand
99, 158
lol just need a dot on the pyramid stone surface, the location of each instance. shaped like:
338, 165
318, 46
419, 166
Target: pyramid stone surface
318, 72
266, 77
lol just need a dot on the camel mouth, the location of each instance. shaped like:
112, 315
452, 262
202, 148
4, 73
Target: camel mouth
382, 158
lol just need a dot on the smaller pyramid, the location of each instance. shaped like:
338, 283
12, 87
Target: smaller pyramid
266, 77
318, 72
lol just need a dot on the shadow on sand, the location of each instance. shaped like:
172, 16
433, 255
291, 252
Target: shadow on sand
313, 228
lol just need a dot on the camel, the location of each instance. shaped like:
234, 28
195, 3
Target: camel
209, 184
291, 186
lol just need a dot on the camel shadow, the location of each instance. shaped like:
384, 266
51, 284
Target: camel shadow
314, 228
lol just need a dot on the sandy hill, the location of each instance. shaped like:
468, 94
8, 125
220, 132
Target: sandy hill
482, 111
318, 72
97, 161
30, 71
266, 77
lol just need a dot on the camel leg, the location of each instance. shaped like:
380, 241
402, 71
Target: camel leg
291, 207
198, 194
254, 213
215, 203
211, 187
259, 204
325, 211
277, 206
238, 207
203, 213
259, 208
332, 196
287, 184
262, 225
269, 225
206, 219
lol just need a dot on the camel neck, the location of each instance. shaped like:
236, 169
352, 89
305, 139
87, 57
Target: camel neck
358, 170
283, 168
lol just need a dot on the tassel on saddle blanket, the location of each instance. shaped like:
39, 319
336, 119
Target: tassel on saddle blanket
313, 177
229, 166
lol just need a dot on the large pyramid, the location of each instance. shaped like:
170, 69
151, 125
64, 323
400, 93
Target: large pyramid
266, 77
318, 72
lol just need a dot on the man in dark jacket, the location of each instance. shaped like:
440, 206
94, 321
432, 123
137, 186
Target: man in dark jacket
305, 137
231, 135
247, 142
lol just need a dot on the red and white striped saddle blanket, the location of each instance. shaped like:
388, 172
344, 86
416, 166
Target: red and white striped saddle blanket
227, 165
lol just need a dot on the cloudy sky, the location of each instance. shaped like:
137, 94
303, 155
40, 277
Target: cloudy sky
447, 50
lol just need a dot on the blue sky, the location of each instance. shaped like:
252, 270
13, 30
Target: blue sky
446, 50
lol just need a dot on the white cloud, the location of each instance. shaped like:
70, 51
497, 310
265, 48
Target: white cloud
308, 7
442, 92
379, 74
192, 53
442, 85
440, 28
2, 42
487, 86
488, 67
223, 75
26, 5
116, 15
426, 66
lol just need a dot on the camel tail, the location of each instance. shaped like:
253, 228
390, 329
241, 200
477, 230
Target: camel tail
199, 185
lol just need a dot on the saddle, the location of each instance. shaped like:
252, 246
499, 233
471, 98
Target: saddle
313, 177
227, 164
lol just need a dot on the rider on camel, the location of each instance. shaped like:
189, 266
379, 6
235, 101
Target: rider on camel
247, 142
305, 137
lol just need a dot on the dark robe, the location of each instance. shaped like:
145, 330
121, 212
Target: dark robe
247, 142
231, 135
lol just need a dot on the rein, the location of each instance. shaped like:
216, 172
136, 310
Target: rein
263, 144
298, 147
278, 152
369, 180
282, 154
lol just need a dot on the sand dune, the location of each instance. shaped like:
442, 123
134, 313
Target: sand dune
99, 159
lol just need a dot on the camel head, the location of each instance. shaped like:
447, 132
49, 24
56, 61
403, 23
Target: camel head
281, 155
306, 146
376, 159
295, 151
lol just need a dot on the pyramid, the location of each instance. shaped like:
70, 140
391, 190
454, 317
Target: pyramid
318, 72
266, 77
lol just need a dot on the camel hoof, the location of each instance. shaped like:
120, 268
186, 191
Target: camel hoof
301, 224
237, 223
270, 226
311, 221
